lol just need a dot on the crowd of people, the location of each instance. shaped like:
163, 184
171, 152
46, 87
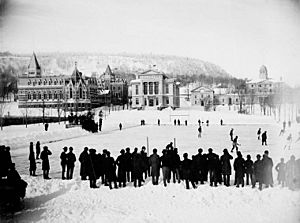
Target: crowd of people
136, 166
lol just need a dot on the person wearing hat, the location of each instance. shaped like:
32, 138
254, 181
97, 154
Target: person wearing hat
71, 159
45, 162
186, 166
239, 167
257, 172
154, 162
226, 167
212, 162
120, 161
267, 169
84, 160
92, 168
63, 162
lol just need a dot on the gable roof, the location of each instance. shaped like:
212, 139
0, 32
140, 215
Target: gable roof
153, 72
202, 88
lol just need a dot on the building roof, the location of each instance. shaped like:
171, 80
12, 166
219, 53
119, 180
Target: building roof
76, 75
202, 88
34, 64
153, 72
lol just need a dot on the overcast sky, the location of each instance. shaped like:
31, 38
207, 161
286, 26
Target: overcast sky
238, 35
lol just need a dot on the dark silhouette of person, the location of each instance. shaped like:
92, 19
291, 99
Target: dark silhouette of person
71, 159
120, 126
100, 124
121, 163
154, 162
175, 164
258, 133
186, 166
178, 122
185, 122
111, 171
199, 131
158, 122
84, 162
145, 164
14, 179
46, 126
137, 168
231, 134
199, 122
212, 161
267, 169
3, 167
239, 167
264, 138
128, 164
249, 170
38, 149
226, 167
235, 144
289, 123
165, 164
63, 162
207, 122
32, 166
91, 168
280, 168
257, 172
284, 125
45, 162
221, 121
174, 121
201, 166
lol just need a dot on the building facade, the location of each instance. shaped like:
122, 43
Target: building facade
154, 89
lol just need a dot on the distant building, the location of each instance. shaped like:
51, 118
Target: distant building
154, 89
202, 96
73, 92
117, 87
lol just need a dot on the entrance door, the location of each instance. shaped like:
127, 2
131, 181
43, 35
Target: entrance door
151, 102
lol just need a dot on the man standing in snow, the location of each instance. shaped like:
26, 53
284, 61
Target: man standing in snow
154, 162
264, 138
63, 162
120, 126
257, 172
199, 131
121, 162
212, 161
239, 167
258, 133
249, 170
45, 162
165, 164
128, 164
71, 159
235, 144
84, 159
226, 167
231, 134
267, 167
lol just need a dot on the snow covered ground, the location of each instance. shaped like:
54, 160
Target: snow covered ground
73, 201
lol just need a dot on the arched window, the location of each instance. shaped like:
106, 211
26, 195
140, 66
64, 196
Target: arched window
45, 96
34, 96
80, 91
39, 96
61, 95
29, 96
55, 95
50, 95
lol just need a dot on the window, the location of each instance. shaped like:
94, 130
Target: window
145, 101
29, 82
40, 81
156, 88
119, 88
55, 81
29, 96
39, 96
45, 95
150, 87
80, 91
34, 96
50, 95
145, 88
201, 95
156, 101
259, 85
61, 95
252, 85
136, 101
55, 95
270, 90
167, 100
237, 100
71, 93
45, 82
136, 89
167, 89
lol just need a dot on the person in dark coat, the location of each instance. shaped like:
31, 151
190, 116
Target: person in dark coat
71, 159
63, 162
175, 164
239, 167
264, 138
91, 168
121, 163
221, 122
186, 166
185, 122
45, 162
226, 167
212, 161
280, 168
257, 172
38, 149
128, 164
32, 167
137, 168
207, 122
84, 161
120, 126
145, 165
267, 167
201, 166
258, 133
14, 179
231, 134
249, 170
100, 124
3, 168
46, 126
199, 131
174, 121
154, 162
178, 122
165, 164
111, 171
158, 122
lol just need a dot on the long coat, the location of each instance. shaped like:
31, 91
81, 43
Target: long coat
45, 159
154, 162
225, 164
280, 168
239, 167
258, 170
32, 161
267, 167
84, 160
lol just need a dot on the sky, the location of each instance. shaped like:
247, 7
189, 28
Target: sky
239, 36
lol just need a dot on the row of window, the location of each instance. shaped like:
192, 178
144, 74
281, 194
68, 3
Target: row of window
260, 85
149, 86
45, 96
151, 101
45, 82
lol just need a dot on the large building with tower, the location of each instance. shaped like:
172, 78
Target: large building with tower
154, 89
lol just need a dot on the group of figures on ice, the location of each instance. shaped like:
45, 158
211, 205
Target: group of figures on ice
136, 166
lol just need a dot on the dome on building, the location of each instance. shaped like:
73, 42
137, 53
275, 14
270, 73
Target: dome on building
263, 72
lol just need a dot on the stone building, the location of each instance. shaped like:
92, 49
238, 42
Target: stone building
202, 96
154, 89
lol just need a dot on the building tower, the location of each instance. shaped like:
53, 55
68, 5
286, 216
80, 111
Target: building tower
263, 73
34, 68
